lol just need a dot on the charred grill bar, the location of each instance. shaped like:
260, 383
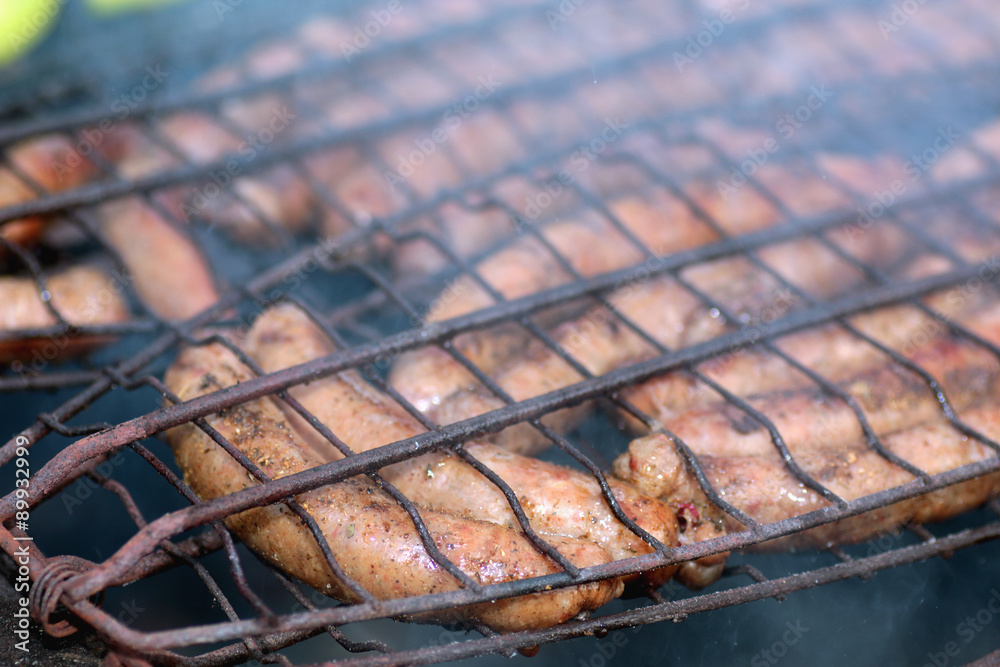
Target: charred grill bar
879, 106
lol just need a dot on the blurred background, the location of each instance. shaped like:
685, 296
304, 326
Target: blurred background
63, 57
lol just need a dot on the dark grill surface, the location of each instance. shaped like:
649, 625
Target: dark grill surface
633, 98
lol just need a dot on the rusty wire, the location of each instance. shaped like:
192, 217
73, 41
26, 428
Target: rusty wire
153, 548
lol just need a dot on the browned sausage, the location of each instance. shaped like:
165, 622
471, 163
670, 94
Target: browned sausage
169, 272
82, 295
826, 440
767, 491
670, 313
593, 247
372, 538
557, 500
829, 350
590, 246
892, 398
44, 160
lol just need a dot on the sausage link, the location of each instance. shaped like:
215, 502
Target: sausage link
669, 313
557, 500
372, 537
891, 397
169, 272
82, 295
44, 160
767, 491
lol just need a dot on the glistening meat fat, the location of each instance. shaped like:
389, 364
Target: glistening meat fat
373, 538
556, 500
766, 490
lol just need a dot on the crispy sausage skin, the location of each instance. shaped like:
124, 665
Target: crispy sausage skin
557, 500
372, 538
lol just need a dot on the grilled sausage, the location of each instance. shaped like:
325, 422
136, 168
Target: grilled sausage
892, 398
22, 231
597, 340
82, 295
282, 194
372, 538
557, 500
164, 266
665, 310
829, 350
826, 440
278, 194
767, 491
169, 272
43, 160
591, 247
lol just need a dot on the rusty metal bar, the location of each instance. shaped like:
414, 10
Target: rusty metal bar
100, 577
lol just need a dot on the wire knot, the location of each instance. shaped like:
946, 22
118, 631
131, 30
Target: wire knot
48, 589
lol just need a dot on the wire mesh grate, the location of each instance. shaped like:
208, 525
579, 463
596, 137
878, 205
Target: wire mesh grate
425, 161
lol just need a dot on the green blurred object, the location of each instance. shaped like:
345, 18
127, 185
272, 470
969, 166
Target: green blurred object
108, 6
24, 22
